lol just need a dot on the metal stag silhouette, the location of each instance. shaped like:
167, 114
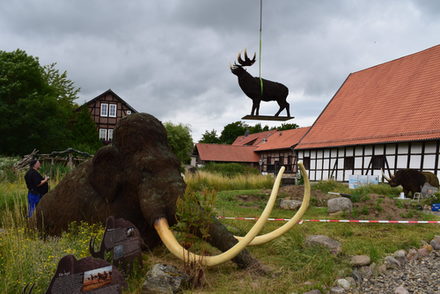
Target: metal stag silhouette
269, 91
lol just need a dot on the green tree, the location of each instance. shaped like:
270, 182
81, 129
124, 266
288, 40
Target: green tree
287, 126
210, 137
84, 135
232, 131
180, 140
36, 105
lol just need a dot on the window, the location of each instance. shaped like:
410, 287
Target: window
378, 162
110, 134
104, 109
103, 134
112, 110
128, 112
306, 162
349, 162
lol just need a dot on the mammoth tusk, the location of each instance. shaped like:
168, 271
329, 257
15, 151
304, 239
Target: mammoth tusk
168, 238
294, 220
384, 176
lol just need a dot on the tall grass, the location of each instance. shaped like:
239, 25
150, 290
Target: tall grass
209, 181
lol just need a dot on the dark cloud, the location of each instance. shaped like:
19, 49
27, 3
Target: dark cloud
170, 58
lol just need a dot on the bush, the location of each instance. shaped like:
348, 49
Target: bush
230, 169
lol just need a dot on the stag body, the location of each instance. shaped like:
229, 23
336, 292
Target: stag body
272, 91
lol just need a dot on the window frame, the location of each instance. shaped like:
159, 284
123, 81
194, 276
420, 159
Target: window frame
103, 132
104, 106
110, 107
110, 134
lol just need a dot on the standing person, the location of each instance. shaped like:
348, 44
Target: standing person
36, 184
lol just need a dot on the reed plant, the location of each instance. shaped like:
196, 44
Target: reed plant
211, 181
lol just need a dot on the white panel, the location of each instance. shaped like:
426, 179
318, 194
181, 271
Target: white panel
378, 149
357, 172
332, 162
401, 161
312, 175
430, 148
319, 154
390, 160
340, 164
391, 149
312, 155
416, 148
326, 153
341, 152
403, 148
325, 176
429, 162
438, 164
368, 150
312, 163
415, 161
367, 161
358, 162
326, 164
349, 151
319, 164
339, 176
358, 150
334, 152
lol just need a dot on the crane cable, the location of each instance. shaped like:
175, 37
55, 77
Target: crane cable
261, 42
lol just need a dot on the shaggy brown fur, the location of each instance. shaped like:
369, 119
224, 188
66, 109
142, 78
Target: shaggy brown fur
137, 178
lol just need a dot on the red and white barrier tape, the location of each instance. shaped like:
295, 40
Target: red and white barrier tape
335, 220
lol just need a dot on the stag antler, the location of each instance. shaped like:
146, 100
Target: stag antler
246, 61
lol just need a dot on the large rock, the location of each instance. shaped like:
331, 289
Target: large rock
435, 243
339, 204
322, 240
164, 279
360, 260
290, 204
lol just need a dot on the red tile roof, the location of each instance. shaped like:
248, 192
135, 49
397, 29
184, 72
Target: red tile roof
227, 153
394, 101
283, 139
257, 138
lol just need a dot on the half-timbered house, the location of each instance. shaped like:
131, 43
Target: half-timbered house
383, 117
278, 150
106, 110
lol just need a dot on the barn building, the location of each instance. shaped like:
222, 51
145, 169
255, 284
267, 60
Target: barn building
106, 110
383, 117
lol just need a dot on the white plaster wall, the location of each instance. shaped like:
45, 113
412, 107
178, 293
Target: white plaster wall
358, 162
368, 150
379, 150
401, 161
415, 161
429, 161
416, 148
358, 151
350, 151
430, 148
390, 160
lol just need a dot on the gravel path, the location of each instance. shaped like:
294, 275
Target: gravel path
417, 277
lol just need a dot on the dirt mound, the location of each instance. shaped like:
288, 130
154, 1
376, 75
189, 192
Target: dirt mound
296, 192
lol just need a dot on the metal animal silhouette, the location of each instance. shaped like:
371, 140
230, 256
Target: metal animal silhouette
271, 91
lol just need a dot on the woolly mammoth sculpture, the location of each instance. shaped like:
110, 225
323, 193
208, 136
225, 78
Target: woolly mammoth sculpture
412, 180
257, 90
138, 179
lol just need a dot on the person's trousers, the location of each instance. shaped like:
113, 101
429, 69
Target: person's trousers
33, 200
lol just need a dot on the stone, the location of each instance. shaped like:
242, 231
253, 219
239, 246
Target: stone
400, 255
381, 269
322, 240
422, 252
163, 279
435, 243
337, 290
290, 204
343, 283
339, 204
412, 255
351, 281
401, 290
316, 291
391, 262
360, 260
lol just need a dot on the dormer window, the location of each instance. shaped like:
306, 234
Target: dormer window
104, 109
112, 110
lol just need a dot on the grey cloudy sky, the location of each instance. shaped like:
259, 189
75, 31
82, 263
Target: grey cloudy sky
171, 58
